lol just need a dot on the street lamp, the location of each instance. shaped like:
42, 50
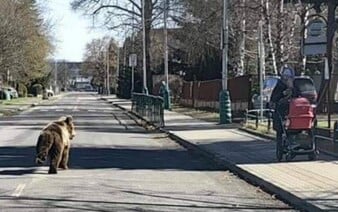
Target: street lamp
224, 96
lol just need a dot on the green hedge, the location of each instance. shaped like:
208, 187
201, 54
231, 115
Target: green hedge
22, 90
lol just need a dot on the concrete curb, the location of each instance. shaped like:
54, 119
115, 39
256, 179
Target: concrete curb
266, 136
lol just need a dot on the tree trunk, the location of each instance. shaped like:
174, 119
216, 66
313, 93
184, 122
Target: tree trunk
327, 84
280, 32
272, 49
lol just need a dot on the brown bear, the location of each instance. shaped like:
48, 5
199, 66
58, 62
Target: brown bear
54, 143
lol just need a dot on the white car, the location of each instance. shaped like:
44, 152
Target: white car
12, 91
50, 92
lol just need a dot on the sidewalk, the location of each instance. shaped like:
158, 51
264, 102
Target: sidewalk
310, 186
15, 106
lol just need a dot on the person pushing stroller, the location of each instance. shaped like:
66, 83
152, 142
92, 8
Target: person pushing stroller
280, 96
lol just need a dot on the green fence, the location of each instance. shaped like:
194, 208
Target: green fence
149, 107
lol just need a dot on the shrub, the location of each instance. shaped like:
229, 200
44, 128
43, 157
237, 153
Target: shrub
22, 90
37, 89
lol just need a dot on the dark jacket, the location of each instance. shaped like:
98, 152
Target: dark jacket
281, 104
277, 93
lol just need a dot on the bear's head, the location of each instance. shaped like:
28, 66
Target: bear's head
70, 126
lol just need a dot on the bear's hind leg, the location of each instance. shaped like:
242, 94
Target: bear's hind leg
55, 159
64, 160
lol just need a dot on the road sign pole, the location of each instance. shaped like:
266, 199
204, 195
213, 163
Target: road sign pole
132, 64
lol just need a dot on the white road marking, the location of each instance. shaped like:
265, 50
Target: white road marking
91, 110
44, 110
59, 110
75, 108
18, 190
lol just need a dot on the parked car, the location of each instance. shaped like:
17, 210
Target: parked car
303, 85
5, 94
50, 92
12, 91
268, 85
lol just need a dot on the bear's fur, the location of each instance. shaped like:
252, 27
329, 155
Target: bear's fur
54, 143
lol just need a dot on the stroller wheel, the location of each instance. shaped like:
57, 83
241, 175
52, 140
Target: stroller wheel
289, 156
312, 156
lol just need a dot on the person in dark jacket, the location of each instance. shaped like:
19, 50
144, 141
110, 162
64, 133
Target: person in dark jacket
280, 96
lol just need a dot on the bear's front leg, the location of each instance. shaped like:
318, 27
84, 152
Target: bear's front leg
64, 160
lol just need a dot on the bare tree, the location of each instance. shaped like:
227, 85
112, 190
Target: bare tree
95, 59
121, 15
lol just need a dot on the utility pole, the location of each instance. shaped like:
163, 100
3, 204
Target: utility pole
224, 96
166, 94
118, 67
132, 47
225, 45
107, 69
145, 89
55, 77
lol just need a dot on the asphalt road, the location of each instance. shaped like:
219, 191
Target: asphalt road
114, 166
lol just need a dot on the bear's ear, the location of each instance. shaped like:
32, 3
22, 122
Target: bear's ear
69, 119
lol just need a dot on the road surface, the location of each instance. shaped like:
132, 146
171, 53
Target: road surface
115, 165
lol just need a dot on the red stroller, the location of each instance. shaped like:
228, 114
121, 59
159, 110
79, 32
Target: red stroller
298, 124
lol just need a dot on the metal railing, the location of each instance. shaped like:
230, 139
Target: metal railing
335, 132
254, 117
149, 107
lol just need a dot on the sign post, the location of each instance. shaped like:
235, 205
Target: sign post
132, 64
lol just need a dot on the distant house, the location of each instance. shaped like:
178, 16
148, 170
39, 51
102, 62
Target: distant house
83, 83
69, 75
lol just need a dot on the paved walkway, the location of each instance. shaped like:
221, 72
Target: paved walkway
310, 185
23, 104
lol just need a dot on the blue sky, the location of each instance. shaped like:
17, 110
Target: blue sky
71, 29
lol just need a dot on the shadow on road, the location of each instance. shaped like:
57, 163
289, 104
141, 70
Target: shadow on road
13, 158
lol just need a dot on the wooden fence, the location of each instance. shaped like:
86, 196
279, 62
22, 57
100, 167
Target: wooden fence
205, 94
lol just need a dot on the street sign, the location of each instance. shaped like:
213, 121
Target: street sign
132, 60
315, 41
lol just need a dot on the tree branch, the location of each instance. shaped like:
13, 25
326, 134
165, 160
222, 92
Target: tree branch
115, 7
